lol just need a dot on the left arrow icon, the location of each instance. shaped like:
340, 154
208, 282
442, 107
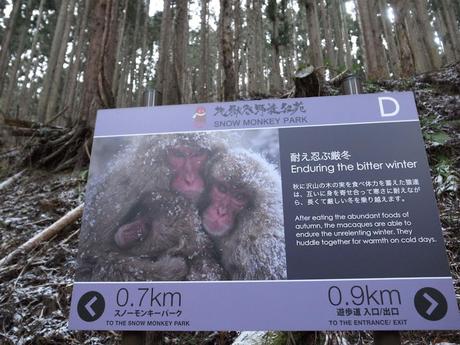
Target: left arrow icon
91, 306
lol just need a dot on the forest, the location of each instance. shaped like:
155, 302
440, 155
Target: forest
62, 61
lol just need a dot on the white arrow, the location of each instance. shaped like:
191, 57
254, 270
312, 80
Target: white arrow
433, 303
89, 304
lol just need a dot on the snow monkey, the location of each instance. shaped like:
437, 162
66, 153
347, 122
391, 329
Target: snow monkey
141, 221
160, 239
243, 216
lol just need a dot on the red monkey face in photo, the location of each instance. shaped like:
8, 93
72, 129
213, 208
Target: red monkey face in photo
186, 164
225, 203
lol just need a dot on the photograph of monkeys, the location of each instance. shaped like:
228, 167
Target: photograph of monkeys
199, 206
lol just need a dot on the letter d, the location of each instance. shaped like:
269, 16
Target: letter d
382, 110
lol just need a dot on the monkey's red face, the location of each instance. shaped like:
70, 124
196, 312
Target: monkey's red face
186, 164
225, 203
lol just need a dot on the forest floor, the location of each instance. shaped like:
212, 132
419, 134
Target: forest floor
35, 289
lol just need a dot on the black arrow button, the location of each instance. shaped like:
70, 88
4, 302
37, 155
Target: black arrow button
430, 304
91, 306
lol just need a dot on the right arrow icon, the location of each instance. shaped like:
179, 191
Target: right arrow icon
433, 303
430, 304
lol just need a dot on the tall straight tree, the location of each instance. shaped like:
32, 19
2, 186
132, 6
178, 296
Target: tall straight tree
141, 75
441, 29
7, 39
377, 33
52, 61
32, 62
177, 86
395, 64
334, 8
314, 36
452, 24
134, 43
327, 34
57, 75
100, 61
163, 64
12, 78
203, 87
118, 57
238, 42
255, 40
423, 23
373, 47
275, 74
400, 9
76, 63
417, 44
227, 50
345, 33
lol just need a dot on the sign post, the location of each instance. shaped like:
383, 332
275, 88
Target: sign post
351, 85
294, 214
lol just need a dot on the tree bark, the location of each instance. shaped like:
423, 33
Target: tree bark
118, 57
275, 75
70, 99
423, 22
133, 54
57, 75
255, 48
416, 41
316, 55
377, 31
203, 88
100, 61
451, 25
164, 51
141, 76
12, 78
334, 9
7, 39
52, 61
227, 50
404, 50
370, 40
346, 35
440, 27
238, 42
395, 64
327, 34
175, 93
31, 65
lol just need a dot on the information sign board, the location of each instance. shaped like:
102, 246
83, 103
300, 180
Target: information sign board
293, 214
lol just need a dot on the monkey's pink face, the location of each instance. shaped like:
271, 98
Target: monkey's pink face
186, 164
131, 233
225, 203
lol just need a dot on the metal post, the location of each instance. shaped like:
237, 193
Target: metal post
150, 98
351, 85
132, 338
387, 338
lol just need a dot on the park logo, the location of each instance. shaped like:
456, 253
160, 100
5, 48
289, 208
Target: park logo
199, 118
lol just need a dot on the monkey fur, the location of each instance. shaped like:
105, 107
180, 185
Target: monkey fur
254, 249
176, 248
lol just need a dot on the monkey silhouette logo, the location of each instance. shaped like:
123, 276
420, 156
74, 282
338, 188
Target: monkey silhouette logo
200, 117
